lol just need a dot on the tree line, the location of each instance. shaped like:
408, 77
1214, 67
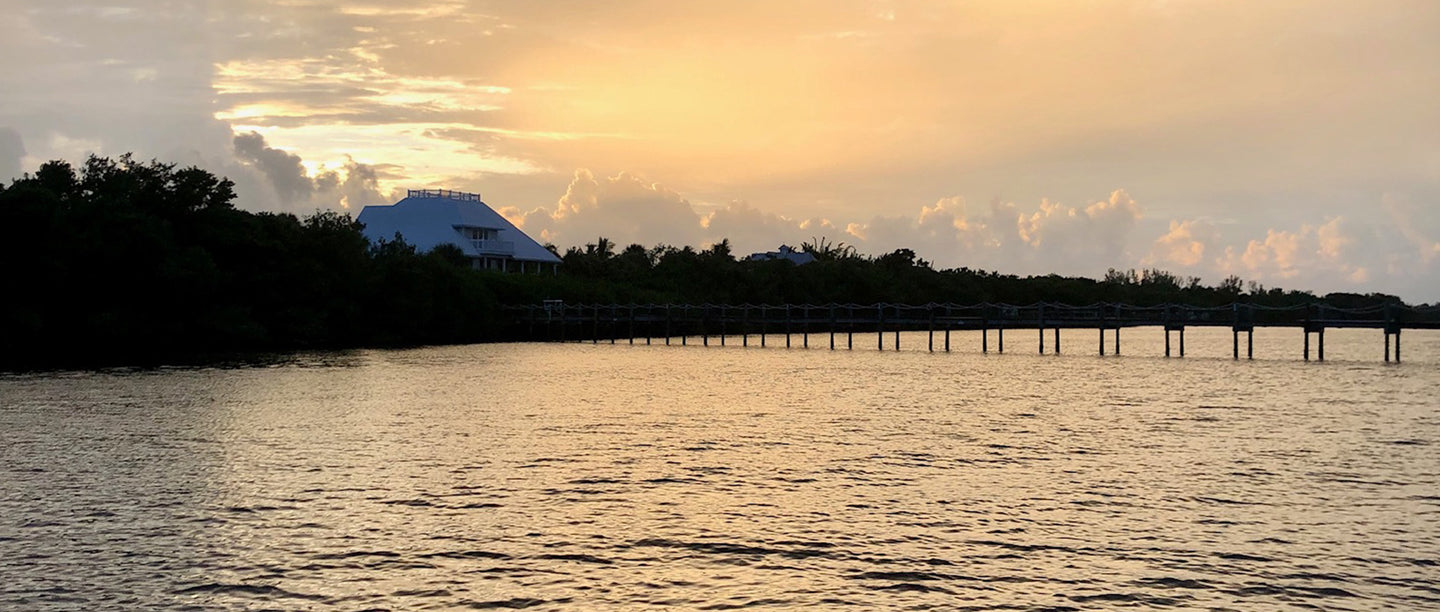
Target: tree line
123, 261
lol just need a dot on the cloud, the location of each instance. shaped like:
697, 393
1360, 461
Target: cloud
1184, 245
294, 189
1332, 253
287, 175
1051, 238
752, 230
12, 151
623, 208
1318, 257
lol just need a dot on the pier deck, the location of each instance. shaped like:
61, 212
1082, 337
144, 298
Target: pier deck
556, 321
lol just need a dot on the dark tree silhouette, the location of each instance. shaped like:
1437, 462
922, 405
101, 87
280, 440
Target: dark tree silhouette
121, 261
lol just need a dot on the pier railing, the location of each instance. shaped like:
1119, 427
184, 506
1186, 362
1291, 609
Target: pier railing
557, 321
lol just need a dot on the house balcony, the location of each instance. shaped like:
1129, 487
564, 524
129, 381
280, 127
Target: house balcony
494, 247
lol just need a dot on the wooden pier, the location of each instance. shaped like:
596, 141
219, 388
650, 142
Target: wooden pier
839, 324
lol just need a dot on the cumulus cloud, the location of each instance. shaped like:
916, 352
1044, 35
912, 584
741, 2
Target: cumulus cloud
294, 189
1317, 257
1183, 246
1331, 253
1052, 237
623, 208
751, 230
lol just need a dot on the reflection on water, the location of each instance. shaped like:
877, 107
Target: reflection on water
594, 477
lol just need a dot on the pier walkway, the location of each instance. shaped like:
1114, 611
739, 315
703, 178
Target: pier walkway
559, 322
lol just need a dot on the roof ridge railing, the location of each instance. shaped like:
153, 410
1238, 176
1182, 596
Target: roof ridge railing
443, 194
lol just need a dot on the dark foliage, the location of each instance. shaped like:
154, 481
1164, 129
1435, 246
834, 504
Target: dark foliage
122, 261
840, 275
127, 262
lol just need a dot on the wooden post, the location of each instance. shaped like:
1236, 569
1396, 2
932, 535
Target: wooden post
1307, 343
1235, 343
684, 329
897, 331
1182, 341
1387, 345
763, 318
1397, 345
1167, 341
880, 328
1117, 339
1102, 340
850, 329
786, 326
705, 326
931, 329
745, 326
805, 327
832, 327
1057, 339
1040, 324
947, 328
1000, 337
1320, 338
1250, 343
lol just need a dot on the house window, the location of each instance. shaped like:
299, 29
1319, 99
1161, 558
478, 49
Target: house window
480, 233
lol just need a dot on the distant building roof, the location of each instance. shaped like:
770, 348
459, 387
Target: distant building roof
428, 218
798, 258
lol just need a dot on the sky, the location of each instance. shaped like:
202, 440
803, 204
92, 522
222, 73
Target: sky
1290, 143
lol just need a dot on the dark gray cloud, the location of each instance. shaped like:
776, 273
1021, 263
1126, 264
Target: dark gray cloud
294, 189
287, 176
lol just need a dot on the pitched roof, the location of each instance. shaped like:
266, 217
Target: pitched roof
791, 255
428, 218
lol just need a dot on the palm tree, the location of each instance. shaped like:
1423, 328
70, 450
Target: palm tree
825, 250
603, 248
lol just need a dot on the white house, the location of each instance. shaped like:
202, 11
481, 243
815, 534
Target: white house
428, 218
786, 253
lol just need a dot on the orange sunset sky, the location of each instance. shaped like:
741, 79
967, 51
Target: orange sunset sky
1294, 143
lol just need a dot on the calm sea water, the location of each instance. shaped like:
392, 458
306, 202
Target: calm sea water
584, 477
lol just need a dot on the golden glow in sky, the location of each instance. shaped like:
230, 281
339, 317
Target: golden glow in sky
1247, 135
